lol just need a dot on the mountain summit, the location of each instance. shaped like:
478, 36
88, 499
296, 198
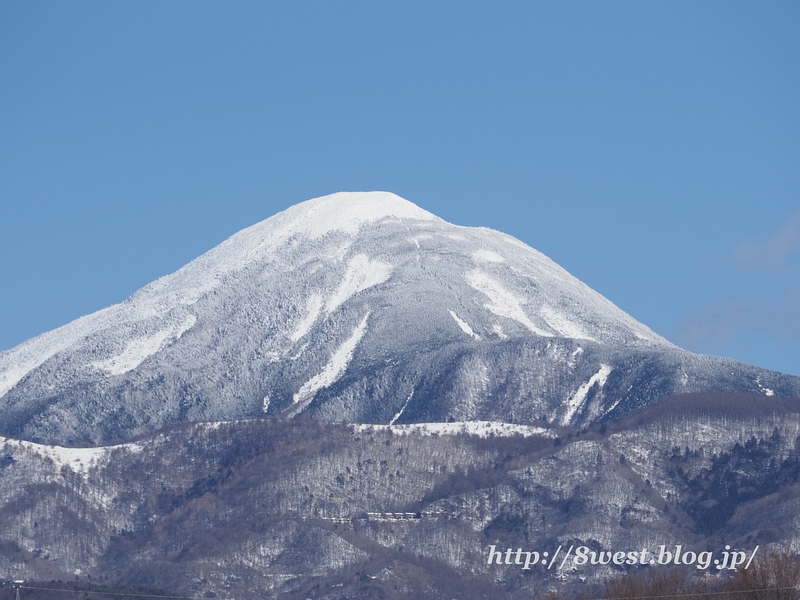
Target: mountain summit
356, 307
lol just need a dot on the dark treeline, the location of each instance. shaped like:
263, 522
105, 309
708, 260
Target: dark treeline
75, 590
735, 405
773, 577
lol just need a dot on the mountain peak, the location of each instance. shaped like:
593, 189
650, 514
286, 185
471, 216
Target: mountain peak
348, 211
357, 307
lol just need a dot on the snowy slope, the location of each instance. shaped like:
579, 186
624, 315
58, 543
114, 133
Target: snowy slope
358, 307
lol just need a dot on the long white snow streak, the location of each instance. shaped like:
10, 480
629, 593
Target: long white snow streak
463, 325
612, 407
563, 325
27, 363
503, 303
479, 428
335, 368
19, 361
362, 273
766, 390
138, 350
402, 410
499, 331
484, 255
579, 397
313, 307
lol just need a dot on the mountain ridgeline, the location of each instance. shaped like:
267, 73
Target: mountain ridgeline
361, 308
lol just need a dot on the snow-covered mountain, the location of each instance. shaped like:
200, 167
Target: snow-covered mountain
494, 401
356, 307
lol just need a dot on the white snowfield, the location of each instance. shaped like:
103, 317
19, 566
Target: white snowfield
138, 349
313, 308
331, 371
78, 460
362, 273
484, 255
482, 429
577, 400
463, 325
502, 302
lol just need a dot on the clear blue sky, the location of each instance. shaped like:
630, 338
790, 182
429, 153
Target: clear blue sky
652, 149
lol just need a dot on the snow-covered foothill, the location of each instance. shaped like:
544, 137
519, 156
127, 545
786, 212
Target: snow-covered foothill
482, 429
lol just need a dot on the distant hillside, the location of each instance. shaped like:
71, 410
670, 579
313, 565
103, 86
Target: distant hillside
300, 508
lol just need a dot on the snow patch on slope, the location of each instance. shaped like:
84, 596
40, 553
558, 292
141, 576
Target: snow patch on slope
335, 368
482, 429
362, 273
766, 390
402, 410
503, 303
579, 397
14, 373
484, 255
136, 351
563, 325
498, 331
313, 308
78, 460
463, 325
16, 363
